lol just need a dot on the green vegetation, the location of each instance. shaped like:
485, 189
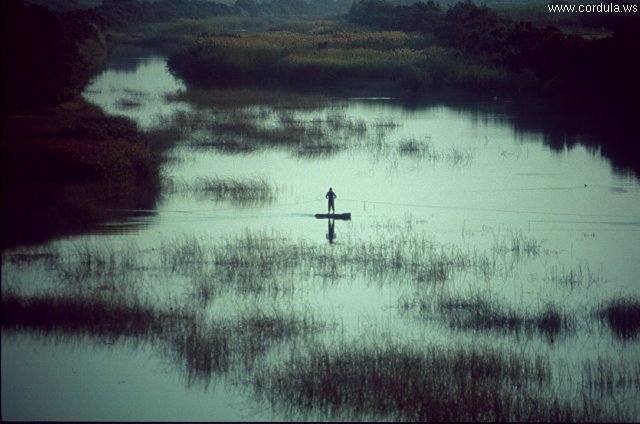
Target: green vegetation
421, 383
421, 49
202, 349
61, 172
574, 277
175, 298
328, 60
270, 262
243, 192
248, 129
622, 316
537, 65
480, 314
47, 58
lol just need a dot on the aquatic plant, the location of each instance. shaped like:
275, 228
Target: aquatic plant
479, 312
424, 149
252, 129
574, 277
608, 374
100, 316
202, 348
239, 191
622, 315
417, 383
518, 244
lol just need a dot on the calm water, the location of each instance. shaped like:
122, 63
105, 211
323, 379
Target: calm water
463, 179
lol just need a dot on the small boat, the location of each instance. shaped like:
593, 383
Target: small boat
343, 216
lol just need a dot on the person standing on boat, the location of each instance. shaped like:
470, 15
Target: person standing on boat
331, 195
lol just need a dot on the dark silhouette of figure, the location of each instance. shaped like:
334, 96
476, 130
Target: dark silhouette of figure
331, 195
331, 235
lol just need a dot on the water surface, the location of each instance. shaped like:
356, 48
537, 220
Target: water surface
466, 182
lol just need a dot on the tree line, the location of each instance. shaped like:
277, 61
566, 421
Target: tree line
600, 74
48, 56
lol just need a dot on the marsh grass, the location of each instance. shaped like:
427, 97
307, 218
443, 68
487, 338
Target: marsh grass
99, 315
400, 60
201, 347
259, 262
609, 375
238, 191
105, 267
279, 352
270, 262
622, 315
582, 276
478, 312
424, 150
26, 257
433, 383
519, 244
245, 130
208, 348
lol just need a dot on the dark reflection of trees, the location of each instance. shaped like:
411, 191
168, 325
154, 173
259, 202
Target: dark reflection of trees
561, 126
66, 172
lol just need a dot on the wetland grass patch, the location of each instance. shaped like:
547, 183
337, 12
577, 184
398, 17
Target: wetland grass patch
343, 60
424, 150
244, 191
580, 276
609, 375
98, 315
478, 312
260, 262
201, 347
622, 315
419, 384
519, 244
250, 129
268, 262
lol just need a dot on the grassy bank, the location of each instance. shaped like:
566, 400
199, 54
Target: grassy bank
62, 169
335, 60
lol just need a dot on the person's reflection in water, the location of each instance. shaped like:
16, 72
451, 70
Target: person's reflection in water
332, 233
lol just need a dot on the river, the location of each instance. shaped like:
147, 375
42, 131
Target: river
449, 206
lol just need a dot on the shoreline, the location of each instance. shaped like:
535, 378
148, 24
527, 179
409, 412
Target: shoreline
63, 169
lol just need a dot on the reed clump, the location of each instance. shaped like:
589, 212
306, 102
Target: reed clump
423, 149
479, 313
608, 375
249, 130
519, 244
201, 347
418, 384
582, 275
99, 316
238, 191
622, 315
